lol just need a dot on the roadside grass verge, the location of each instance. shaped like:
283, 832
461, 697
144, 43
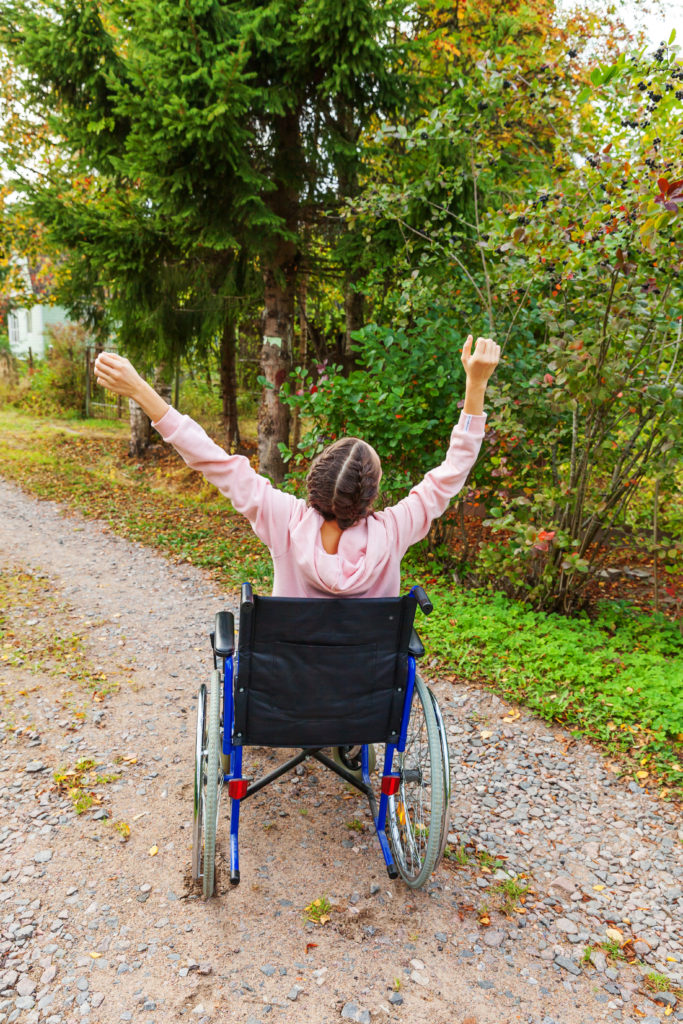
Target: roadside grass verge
616, 680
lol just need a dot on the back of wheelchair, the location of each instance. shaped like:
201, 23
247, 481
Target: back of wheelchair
336, 679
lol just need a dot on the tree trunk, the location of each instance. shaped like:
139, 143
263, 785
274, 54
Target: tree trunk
229, 381
353, 308
303, 349
139, 430
279, 278
140, 424
276, 360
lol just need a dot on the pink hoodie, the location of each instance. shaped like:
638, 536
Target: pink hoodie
368, 561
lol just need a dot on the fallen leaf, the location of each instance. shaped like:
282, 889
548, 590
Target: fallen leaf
598, 888
642, 775
311, 945
95, 956
486, 734
153, 851
614, 933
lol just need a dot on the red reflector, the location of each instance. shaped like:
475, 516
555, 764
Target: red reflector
237, 788
390, 784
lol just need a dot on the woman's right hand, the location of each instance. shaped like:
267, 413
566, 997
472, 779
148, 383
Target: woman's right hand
480, 364
117, 374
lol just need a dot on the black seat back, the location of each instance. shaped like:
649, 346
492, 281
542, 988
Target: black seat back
321, 672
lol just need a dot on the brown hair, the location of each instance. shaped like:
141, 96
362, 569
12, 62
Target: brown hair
343, 481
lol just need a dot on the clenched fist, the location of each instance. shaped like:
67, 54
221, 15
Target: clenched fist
480, 364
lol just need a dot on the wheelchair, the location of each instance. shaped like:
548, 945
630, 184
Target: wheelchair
316, 674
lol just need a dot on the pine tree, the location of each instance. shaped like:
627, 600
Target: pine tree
229, 127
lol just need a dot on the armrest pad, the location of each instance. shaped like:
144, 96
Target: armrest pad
415, 646
224, 636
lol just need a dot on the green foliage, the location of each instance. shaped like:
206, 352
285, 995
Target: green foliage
407, 388
618, 679
56, 384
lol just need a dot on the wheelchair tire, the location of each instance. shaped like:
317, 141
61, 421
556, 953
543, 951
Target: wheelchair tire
213, 774
446, 765
416, 815
201, 741
350, 758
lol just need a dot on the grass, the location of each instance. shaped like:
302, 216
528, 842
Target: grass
655, 982
47, 646
79, 782
617, 680
318, 910
508, 892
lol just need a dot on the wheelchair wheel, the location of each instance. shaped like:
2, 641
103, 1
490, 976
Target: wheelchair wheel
207, 784
446, 764
417, 813
201, 741
349, 757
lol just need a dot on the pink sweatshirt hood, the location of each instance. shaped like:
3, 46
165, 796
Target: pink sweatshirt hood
360, 562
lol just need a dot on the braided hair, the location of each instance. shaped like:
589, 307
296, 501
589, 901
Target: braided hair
343, 481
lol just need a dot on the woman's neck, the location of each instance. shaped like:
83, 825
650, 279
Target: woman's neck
330, 533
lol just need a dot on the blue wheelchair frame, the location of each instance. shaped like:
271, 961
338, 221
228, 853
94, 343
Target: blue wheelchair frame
240, 788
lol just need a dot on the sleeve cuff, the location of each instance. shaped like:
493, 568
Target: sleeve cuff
168, 423
471, 424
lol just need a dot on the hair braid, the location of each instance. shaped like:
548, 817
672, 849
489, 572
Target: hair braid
343, 482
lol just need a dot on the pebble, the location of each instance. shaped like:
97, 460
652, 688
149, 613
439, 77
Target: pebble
350, 1011
43, 856
567, 965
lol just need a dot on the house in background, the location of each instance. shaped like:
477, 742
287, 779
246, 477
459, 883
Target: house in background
27, 327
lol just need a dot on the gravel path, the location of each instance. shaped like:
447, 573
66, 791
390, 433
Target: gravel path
95, 928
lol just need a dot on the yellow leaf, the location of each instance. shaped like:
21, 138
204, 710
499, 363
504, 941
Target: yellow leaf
668, 1011
96, 956
486, 734
642, 775
324, 919
153, 851
598, 888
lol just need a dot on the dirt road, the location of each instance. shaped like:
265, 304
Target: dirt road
104, 647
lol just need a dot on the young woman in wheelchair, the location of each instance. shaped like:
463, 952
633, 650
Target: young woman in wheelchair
335, 543
303, 677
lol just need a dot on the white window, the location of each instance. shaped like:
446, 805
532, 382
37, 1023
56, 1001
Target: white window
13, 328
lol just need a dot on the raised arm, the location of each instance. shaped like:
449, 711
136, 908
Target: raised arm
413, 516
267, 509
